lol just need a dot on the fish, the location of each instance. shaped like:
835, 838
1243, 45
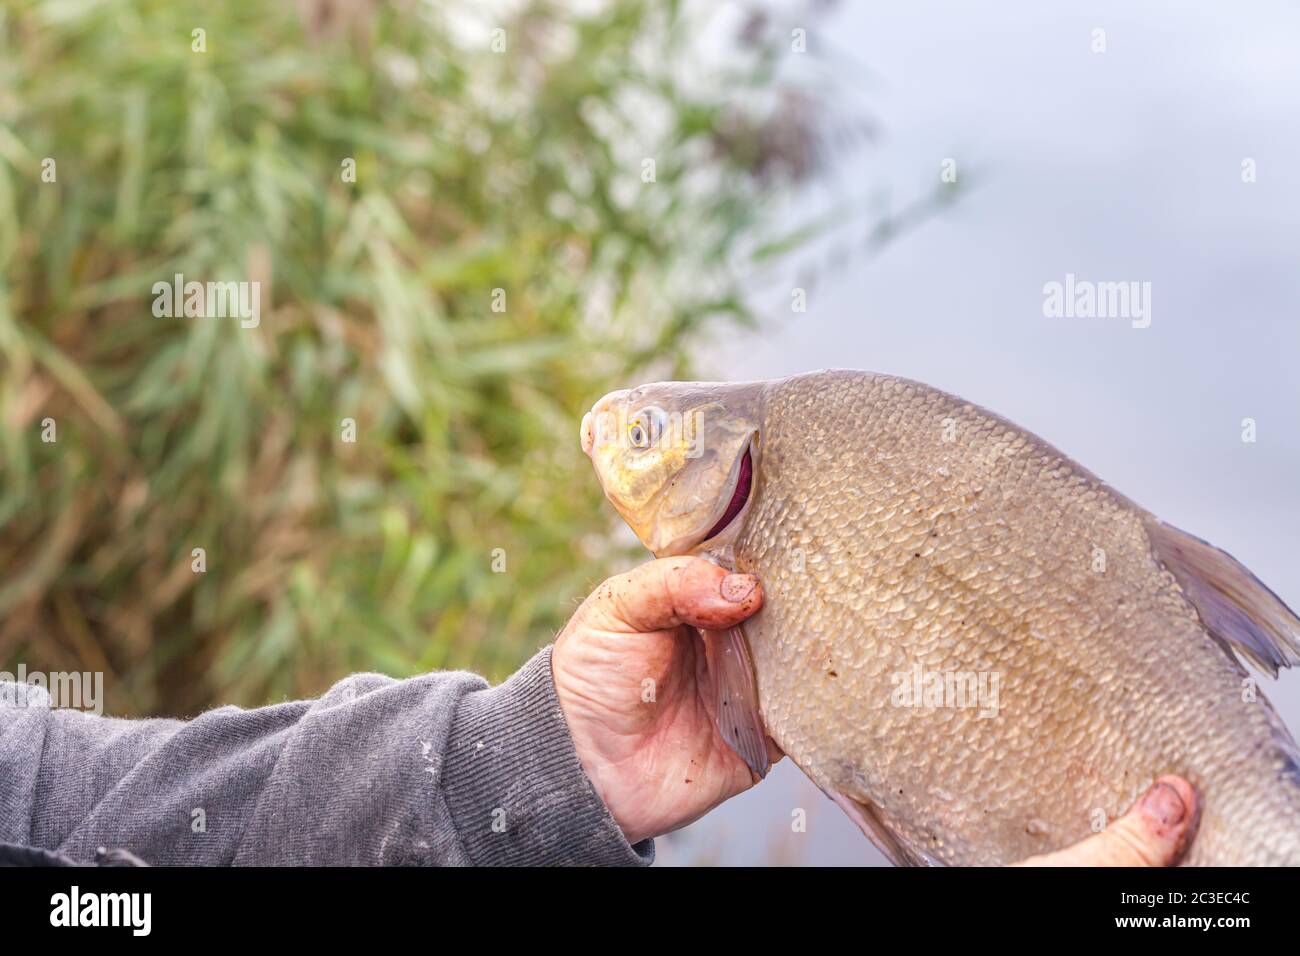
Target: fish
974, 646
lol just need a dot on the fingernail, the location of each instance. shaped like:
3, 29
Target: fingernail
1163, 802
737, 587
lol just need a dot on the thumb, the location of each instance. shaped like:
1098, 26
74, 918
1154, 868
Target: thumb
669, 592
1154, 832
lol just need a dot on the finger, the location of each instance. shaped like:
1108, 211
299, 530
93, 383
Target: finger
669, 592
1154, 832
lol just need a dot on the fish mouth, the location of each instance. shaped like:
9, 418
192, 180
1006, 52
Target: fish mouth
742, 486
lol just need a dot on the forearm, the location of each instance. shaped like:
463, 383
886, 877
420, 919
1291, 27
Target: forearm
434, 770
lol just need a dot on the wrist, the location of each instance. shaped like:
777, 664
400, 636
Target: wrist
516, 787
610, 787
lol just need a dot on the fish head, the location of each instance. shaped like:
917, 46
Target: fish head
677, 460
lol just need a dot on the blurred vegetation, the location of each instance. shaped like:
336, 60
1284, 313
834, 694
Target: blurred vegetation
476, 171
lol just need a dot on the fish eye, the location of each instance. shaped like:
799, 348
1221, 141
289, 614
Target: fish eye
646, 427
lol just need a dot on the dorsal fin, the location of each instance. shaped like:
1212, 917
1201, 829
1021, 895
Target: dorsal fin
1236, 607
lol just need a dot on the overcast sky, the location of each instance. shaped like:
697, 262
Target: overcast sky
1117, 166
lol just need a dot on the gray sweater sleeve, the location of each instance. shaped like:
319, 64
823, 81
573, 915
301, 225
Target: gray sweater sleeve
432, 770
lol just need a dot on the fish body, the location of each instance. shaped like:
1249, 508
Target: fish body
977, 648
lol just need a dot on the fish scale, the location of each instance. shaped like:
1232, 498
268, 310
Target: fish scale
897, 527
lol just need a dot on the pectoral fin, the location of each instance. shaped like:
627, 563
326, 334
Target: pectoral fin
1238, 610
735, 697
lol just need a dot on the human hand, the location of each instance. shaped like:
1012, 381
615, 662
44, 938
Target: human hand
1154, 832
630, 674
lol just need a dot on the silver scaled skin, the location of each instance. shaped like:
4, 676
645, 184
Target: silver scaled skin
976, 647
